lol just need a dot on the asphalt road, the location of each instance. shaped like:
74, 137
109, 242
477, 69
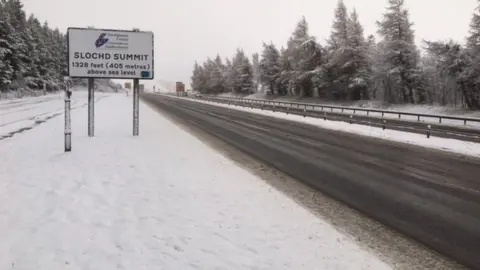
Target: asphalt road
428, 195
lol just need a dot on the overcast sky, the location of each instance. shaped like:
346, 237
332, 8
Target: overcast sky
189, 30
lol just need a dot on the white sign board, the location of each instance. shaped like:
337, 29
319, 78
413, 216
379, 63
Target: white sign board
116, 54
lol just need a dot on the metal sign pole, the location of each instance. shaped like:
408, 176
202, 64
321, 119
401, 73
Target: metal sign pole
91, 104
68, 129
136, 101
136, 105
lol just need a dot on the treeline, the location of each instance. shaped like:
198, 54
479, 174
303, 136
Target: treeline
351, 66
32, 55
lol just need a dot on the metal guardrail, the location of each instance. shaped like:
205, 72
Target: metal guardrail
353, 110
459, 132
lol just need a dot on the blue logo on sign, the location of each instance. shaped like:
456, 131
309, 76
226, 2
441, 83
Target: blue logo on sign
145, 74
101, 40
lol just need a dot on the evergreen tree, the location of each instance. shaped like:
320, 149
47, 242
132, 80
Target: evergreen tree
256, 71
400, 55
339, 35
359, 65
337, 71
6, 50
469, 79
269, 66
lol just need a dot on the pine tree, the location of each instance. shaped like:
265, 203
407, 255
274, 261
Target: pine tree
400, 55
470, 77
241, 74
284, 81
337, 71
339, 36
6, 50
302, 54
217, 82
256, 71
269, 66
198, 80
360, 69
228, 75
17, 18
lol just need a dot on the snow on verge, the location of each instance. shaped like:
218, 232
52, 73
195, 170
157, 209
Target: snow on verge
450, 145
163, 200
22, 115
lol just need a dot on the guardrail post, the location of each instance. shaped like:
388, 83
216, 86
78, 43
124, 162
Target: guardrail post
465, 122
428, 131
351, 117
288, 109
440, 120
399, 115
384, 124
325, 116
418, 118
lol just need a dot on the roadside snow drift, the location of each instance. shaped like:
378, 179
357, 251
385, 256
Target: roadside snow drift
163, 200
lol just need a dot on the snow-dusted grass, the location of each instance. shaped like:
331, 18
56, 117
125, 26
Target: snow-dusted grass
163, 200
451, 145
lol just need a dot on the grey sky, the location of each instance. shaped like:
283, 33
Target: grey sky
189, 30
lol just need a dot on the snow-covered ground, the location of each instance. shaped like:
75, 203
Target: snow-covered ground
23, 114
162, 200
450, 145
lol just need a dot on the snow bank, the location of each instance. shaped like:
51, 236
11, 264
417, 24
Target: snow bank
163, 200
450, 145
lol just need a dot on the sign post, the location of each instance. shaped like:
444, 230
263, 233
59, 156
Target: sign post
68, 129
110, 54
91, 107
136, 105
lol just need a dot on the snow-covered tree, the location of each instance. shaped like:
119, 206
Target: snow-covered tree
400, 55
359, 65
241, 73
198, 79
269, 66
339, 35
217, 77
303, 54
6, 50
256, 71
469, 79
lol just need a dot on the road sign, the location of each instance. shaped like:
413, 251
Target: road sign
180, 87
116, 54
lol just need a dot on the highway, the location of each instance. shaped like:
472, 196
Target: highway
427, 195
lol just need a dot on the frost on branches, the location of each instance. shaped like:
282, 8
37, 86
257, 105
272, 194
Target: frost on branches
353, 67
